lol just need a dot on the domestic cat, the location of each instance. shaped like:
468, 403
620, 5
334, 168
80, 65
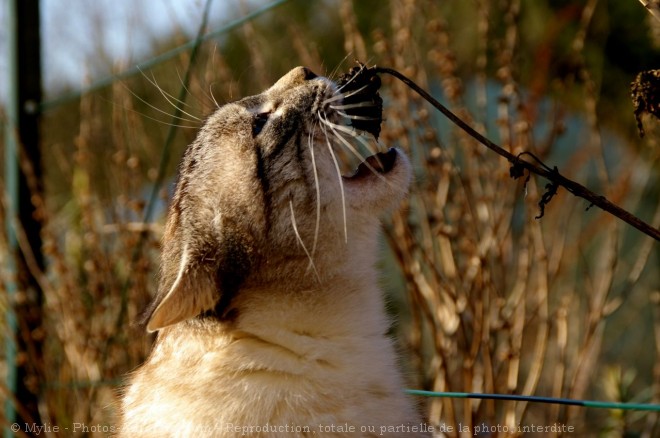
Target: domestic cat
269, 317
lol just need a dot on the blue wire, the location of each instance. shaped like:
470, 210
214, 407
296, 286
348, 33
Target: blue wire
536, 399
109, 80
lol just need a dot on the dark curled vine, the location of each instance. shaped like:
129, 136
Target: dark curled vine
518, 165
550, 191
517, 170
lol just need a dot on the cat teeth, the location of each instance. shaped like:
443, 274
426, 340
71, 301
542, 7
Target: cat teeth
382, 163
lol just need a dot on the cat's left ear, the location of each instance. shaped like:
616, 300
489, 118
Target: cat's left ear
195, 277
192, 291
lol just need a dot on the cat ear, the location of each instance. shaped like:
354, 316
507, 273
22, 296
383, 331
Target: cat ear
192, 291
197, 277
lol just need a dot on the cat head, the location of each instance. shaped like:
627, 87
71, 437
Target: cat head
261, 196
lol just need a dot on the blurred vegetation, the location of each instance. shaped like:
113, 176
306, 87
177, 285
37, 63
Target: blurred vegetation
488, 298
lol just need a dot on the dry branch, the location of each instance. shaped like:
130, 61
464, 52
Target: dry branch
518, 165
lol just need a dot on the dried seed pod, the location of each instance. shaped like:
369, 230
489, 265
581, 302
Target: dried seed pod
645, 94
362, 104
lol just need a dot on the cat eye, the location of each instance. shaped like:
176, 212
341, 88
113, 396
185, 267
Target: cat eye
258, 122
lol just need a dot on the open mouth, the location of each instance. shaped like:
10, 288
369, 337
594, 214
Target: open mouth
380, 163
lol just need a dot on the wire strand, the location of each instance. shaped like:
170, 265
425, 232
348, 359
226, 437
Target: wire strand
537, 399
51, 104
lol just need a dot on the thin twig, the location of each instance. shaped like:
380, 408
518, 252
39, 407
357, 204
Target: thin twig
554, 176
652, 6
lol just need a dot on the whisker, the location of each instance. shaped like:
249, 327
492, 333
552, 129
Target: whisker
217, 105
185, 87
152, 106
339, 96
362, 67
157, 109
162, 122
336, 97
213, 61
318, 191
356, 117
353, 105
201, 101
295, 230
336, 129
169, 98
339, 177
355, 135
339, 64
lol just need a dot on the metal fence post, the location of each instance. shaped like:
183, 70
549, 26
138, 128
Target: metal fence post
24, 314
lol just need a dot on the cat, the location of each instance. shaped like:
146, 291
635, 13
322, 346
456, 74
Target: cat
269, 318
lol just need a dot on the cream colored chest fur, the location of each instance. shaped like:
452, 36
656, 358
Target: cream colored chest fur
303, 363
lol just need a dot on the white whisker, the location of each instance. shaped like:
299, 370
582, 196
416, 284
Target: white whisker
356, 136
339, 64
178, 75
295, 230
355, 117
171, 99
353, 105
339, 177
354, 92
336, 128
339, 96
334, 98
168, 97
162, 122
318, 191
362, 67
158, 109
217, 105
154, 82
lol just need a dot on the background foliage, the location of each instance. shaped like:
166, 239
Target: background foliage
486, 298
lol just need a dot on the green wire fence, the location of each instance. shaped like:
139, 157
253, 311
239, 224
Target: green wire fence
536, 399
109, 80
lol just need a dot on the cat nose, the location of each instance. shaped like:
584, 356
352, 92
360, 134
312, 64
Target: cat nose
295, 77
301, 74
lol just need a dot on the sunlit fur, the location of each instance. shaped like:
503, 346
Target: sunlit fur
268, 309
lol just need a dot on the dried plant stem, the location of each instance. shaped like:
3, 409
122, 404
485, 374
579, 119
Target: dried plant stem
573, 187
652, 6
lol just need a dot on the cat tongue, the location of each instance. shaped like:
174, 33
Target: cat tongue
382, 162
